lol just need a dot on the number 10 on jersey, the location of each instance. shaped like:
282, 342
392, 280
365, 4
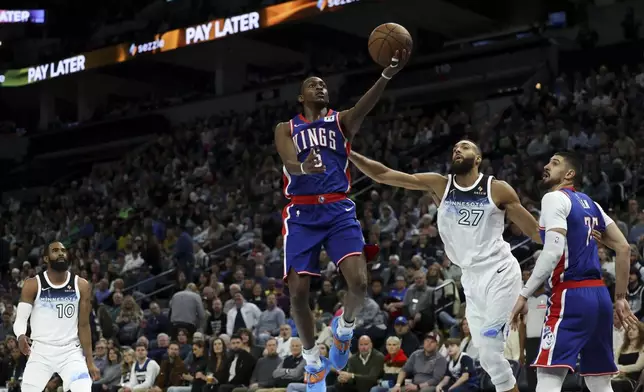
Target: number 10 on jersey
590, 223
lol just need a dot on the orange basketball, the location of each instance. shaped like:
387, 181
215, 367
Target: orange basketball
386, 39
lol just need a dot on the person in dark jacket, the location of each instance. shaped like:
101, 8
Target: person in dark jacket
240, 366
173, 371
292, 367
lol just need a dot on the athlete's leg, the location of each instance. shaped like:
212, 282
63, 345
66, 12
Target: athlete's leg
345, 244
597, 364
73, 371
599, 383
499, 292
302, 245
37, 373
550, 379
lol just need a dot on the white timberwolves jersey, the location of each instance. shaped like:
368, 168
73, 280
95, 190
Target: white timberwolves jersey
471, 225
54, 317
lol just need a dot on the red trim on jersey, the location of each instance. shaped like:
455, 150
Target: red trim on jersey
318, 199
337, 120
567, 195
560, 268
570, 188
575, 284
347, 256
554, 315
328, 113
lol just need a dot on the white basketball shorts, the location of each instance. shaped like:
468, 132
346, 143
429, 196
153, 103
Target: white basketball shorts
490, 295
45, 360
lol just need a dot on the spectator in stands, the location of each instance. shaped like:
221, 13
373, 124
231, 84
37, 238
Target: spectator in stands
393, 364
160, 352
363, 370
12, 368
243, 315
129, 321
185, 347
418, 304
466, 341
173, 372
270, 321
101, 359
230, 303
636, 293
291, 369
426, 367
392, 271
156, 322
217, 359
409, 342
186, 310
630, 356
460, 375
111, 376
240, 366
7, 325
144, 371
217, 320
327, 298
263, 372
126, 366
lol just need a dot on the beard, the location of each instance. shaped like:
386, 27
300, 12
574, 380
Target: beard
59, 265
463, 167
547, 183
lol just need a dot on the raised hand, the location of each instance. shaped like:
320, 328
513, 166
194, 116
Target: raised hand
398, 62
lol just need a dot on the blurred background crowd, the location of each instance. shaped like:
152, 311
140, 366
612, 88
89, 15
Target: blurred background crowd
181, 237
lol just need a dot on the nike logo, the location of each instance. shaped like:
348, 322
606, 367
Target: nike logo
501, 269
77, 345
348, 209
298, 125
45, 288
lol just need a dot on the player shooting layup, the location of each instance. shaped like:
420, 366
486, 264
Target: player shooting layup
471, 221
314, 147
580, 311
59, 304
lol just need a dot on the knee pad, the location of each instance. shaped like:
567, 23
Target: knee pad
495, 364
598, 383
80, 385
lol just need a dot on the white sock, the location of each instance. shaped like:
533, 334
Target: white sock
344, 327
312, 356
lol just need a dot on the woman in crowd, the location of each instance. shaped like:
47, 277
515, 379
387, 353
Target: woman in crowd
198, 367
126, 367
184, 347
111, 377
248, 343
466, 345
216, 370
630, 356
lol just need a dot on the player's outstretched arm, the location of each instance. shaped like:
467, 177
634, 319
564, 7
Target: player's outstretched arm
23, 312
286, 148
507, 198
384, 175
352, 119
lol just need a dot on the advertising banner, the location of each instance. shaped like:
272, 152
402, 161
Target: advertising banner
22, 16
171, 40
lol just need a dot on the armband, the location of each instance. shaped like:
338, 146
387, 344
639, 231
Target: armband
385, 76
22, 316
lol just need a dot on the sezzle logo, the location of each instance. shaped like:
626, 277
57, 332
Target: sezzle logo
146, 47
322, 4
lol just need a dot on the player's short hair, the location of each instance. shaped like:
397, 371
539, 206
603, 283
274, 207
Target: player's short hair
141, 344
306, 81
174, 342
198, 343
476, 146
572, 160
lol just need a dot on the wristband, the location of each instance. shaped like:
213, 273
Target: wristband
385, 76
302, 168
620, 296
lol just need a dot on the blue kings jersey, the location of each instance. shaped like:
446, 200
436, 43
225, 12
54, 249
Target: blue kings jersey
324, 136
580, 260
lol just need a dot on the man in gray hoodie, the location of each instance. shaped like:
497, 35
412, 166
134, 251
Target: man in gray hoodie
263, 373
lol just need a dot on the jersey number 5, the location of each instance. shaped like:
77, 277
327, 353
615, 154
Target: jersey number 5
590, 223
65, 310
470, 217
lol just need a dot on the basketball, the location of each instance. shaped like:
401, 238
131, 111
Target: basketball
386, 39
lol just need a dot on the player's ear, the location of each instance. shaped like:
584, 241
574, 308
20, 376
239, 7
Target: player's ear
300, 98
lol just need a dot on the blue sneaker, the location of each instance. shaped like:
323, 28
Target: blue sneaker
340, 350
315, 377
